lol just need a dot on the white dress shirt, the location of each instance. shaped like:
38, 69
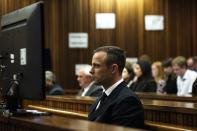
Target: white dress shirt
185, 83
85, 90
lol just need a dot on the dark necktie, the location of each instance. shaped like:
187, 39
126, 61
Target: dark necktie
103, 96
102, 99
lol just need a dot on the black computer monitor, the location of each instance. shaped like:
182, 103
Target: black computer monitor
22, 54
47, 59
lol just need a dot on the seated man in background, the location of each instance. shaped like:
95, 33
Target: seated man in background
88, 88
52, 87
190, 63
195, 63
185, 77
118, 104
170, 77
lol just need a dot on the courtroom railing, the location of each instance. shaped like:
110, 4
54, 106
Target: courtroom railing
156, 126
166, 97
55, 123
171, 112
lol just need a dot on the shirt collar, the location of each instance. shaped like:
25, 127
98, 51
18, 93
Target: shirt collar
185, 76
111, 88
87, 88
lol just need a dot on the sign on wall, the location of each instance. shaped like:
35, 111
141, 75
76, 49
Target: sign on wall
154, 22
132, 59
78, 40
105, 21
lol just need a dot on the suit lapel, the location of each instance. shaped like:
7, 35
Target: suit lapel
102, 108
80, 92
89, 90
92, 109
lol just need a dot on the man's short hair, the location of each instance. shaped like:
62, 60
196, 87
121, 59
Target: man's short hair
145, 57
49, 75
115, 55
179, 61
195, 59
167, 62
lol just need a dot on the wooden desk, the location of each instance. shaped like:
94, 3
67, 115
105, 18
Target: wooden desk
156, 126
55, 123
171, 112
166, 97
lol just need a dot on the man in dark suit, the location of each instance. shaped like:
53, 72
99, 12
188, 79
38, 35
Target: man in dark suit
171, 85
118, 104
88, 88
52, 87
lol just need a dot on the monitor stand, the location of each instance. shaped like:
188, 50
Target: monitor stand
13, 103
13, 108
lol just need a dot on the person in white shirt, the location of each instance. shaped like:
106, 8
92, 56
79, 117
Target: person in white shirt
88, 88
185, 77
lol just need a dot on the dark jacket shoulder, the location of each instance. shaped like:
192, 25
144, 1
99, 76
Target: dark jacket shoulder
121, 107
56, 90
94, 91
144, 86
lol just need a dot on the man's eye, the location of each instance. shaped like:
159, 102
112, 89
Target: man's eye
96, 65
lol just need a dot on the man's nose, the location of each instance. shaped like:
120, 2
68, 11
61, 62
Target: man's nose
91, 71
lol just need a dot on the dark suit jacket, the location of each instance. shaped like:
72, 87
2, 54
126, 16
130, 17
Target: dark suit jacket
56, 90
121, 107
144, 86
94, 91
171, 86
194, 88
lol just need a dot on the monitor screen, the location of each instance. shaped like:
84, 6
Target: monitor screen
22, 52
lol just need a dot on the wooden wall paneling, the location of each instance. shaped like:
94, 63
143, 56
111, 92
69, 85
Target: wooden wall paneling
127, 26
76, 19
180, 27
154, 40
104, 36
64, 16
194, 27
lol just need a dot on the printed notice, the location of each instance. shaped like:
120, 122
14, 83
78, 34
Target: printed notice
23, 56
78, 40
154, 22
105, 21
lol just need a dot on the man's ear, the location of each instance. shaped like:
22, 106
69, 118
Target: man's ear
114, 68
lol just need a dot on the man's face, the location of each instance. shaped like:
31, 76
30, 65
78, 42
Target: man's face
178, 70
190, 64
83, 79
100, 71
48, 84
